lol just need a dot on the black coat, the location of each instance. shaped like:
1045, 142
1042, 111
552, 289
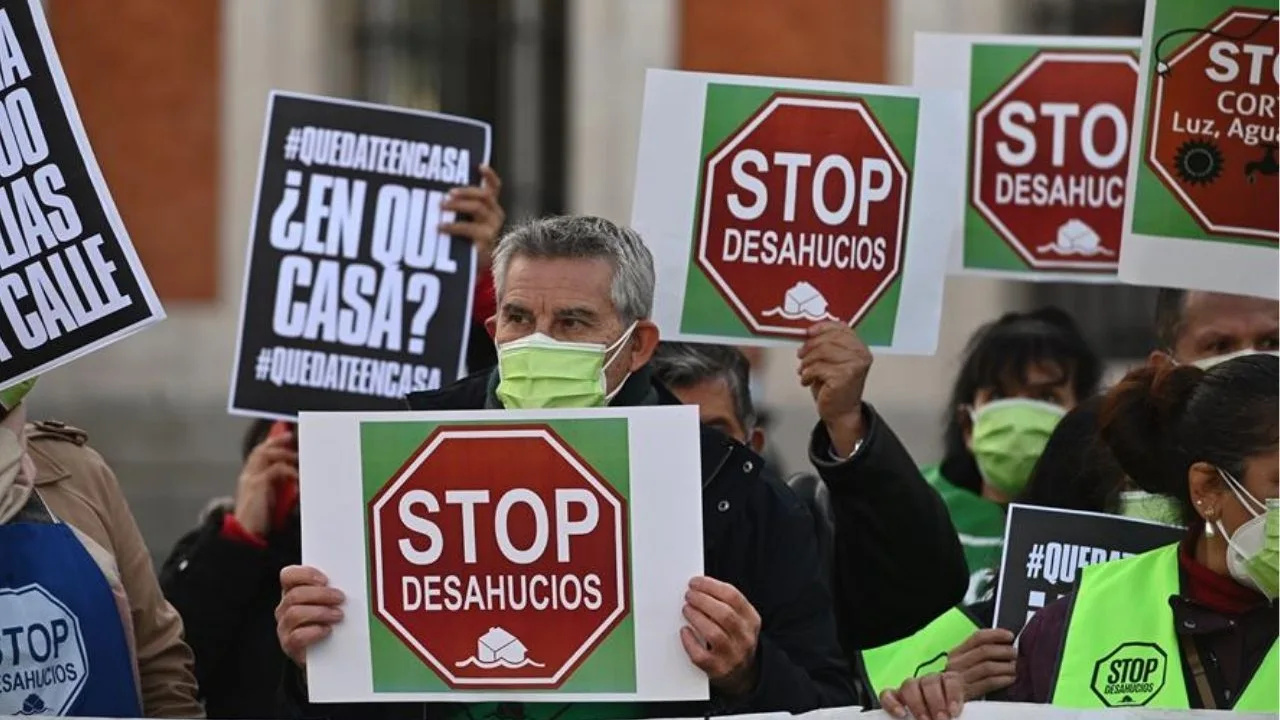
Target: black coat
757, 536
895, 560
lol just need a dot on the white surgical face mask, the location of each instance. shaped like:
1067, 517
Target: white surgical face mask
1206, 363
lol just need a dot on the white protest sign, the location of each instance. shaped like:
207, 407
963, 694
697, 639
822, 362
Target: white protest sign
1045, 154
70, 281
523, 556
1203, 209
770, 204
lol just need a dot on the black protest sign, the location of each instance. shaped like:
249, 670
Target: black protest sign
1045, 549
353, 298
70, 281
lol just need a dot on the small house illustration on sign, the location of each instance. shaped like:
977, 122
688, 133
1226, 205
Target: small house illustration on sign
1075, 237
802, 301
498, 645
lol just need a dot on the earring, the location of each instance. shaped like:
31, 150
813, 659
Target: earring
1210, 515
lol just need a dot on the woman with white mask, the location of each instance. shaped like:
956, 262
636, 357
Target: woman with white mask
1194, 624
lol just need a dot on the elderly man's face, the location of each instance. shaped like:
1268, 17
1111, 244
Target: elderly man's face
715, 409
1217, 324
571, 300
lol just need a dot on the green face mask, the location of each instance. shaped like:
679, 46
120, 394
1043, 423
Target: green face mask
1252, 557
1150, 506
12, 395
539, 372
1264, 567
1008, 438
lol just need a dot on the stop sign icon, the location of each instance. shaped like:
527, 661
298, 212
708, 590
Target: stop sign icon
1211, 138
803, 214
497, 576
1050, 158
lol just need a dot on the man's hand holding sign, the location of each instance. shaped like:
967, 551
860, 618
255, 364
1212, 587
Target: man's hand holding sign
485, 214
722, 635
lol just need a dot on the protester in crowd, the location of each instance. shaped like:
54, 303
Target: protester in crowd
1190, 625
69, 538
880, 594
224, 578
586, 281
1205, 327
1020, 375
1075, 472
1078, 471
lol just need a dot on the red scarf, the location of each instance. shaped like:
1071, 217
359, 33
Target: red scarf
1220, 593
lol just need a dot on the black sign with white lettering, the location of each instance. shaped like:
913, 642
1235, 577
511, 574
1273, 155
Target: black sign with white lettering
1045, 549
70, 281
353, 297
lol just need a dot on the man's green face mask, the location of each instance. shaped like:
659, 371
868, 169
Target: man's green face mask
539, 372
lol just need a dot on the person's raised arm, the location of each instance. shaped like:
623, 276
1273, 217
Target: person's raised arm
896, 563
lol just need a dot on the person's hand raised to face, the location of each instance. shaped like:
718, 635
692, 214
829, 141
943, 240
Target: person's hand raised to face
273, 462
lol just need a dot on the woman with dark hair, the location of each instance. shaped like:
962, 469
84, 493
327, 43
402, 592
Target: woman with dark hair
1020, 375
1191, 625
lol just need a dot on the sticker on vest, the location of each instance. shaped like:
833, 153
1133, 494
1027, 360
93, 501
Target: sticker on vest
43, 666
1131, 675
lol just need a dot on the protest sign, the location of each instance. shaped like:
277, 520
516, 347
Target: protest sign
516, 556
1203, 211
771, 204
70, 281
1047, 151
1045, 549
353, 298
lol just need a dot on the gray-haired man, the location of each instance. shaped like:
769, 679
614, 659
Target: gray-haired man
763, 607
878, 521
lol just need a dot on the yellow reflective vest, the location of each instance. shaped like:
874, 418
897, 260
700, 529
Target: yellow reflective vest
1121, 648
888, 666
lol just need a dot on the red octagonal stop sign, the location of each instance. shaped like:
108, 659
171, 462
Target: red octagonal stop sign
499, 574
1212, 133
1050, 158
803, 214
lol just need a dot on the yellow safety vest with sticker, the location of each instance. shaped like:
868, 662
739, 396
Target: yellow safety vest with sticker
1121, 649
888, 666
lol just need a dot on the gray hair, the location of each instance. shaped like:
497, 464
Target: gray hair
585, 237
682, 365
